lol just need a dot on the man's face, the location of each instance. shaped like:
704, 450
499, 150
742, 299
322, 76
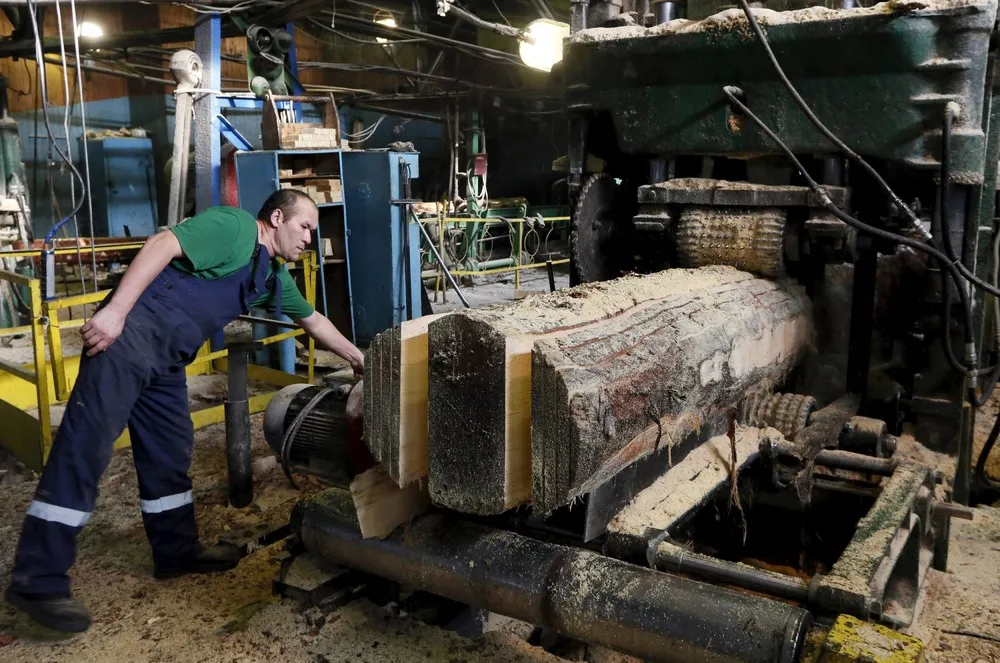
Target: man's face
293, 231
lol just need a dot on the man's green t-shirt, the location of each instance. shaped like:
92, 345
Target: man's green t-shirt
219, 242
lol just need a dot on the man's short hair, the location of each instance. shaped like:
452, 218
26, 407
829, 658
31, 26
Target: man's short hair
285, 200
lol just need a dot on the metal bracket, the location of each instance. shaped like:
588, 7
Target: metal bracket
232, 134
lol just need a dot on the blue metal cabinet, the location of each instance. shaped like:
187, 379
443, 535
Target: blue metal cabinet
384, 246
258, 175
123, 186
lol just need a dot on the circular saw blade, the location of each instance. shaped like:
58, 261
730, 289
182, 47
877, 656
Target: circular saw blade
596, 237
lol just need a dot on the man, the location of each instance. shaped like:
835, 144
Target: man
183, 286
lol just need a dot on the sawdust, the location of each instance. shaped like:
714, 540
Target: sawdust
707, 184
909, 448
591, 302
958, 616
734, 20
854, 570
222, 618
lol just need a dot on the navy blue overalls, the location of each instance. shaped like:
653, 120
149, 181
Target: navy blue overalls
138, 381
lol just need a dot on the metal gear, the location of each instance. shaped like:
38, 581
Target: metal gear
789, 413
593, 240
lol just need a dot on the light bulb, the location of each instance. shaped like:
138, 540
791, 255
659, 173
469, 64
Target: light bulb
543, 46
88, 29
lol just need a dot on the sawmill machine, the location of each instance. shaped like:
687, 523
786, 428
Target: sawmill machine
851, 152
771, 146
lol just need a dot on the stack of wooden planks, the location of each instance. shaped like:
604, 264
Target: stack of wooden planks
306, 136
541, 401
323, 191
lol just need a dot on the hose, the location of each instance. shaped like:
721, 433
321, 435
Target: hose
985, 454
949, 251
733, 93
851, 154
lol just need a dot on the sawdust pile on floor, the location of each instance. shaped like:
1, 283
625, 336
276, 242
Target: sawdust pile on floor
218, 618
959, 616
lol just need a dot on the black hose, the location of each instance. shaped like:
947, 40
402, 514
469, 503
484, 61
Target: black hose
851, 154
985, 453
977, 399
734, 93
949, 250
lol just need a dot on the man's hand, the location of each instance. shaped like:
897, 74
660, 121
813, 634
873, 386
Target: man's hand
103, 329
357, 361
326, 334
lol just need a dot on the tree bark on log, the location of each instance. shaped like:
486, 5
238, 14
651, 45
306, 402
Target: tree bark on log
607, 394
480, 380
395, 427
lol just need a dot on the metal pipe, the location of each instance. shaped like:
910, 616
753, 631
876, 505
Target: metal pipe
665, 12
369, 28
237, 407
845, 460
584, 595
578, 15
444, 268
111, 72
671, 558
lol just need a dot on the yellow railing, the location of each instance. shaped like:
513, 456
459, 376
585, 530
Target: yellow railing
24, 388
443, 222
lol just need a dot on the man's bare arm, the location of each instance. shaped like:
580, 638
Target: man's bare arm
104, 328
329, 337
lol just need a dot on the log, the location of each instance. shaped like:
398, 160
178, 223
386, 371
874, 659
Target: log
395, 420
480, 379
608, 394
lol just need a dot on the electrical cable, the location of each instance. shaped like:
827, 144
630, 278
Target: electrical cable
949, 250
497, 7
851, 154
734, 93
366, 134
341, 33
48, 126
67, 114
86, 154
208, 9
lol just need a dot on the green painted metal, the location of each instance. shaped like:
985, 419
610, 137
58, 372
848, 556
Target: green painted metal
879, 81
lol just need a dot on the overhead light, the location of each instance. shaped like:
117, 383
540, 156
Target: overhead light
89, 30
542, 43
385, 18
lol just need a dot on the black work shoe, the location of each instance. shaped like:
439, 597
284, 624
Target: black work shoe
222, 557
61, 613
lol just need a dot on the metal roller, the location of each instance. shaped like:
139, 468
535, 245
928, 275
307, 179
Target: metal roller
748, 239
633, 609
788, 413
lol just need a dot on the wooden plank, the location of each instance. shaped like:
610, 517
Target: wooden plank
481, 373
686, 486
396, 399
609, 394
382, 506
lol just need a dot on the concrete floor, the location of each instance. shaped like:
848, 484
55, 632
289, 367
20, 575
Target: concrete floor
234, 616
